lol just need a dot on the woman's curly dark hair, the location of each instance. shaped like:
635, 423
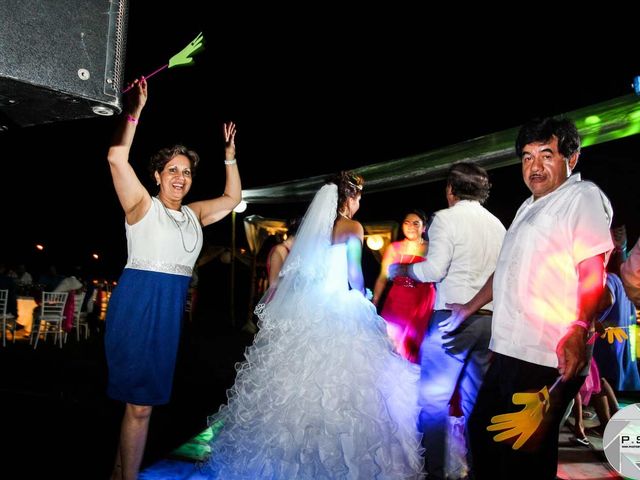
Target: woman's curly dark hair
349, 186
163, 156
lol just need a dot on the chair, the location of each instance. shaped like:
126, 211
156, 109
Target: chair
79, 317
79, 320
4, 300
51, 313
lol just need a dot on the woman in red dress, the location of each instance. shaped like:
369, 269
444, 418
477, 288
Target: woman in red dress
408, 305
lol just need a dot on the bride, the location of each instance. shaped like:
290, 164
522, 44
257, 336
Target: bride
322, 394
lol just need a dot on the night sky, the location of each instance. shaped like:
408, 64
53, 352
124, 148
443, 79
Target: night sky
352, 91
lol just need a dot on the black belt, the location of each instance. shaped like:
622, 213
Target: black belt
482, 311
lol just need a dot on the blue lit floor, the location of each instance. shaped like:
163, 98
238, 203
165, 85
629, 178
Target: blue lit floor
575, 462
182, 463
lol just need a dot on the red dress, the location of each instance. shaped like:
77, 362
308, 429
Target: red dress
407, 309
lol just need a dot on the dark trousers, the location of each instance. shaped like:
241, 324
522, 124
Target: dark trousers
538, 457
441, 371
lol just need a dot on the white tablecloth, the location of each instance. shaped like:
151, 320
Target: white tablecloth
25, 311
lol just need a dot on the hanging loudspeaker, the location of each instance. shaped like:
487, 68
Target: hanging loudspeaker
61, 60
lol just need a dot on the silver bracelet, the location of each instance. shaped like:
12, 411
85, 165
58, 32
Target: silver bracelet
230, 162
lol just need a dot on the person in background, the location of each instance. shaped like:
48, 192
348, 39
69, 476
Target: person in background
464, 242
619, 368
546, 291
73, 286
630, 273
619, 253
275, 259
49, 280
278, 254
617, 360
23, 278
408, 304
164, 238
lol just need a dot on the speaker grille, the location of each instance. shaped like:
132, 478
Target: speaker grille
120, 42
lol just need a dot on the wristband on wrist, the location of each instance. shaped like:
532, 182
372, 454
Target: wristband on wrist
230, 162
132, 119
579, 323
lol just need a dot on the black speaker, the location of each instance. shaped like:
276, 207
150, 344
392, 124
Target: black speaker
61, 59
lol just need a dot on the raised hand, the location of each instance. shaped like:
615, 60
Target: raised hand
230, 141
138, 98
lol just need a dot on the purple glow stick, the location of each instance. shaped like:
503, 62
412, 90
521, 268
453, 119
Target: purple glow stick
147, 77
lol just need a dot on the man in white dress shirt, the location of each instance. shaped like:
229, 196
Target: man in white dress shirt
464, 242
546, 288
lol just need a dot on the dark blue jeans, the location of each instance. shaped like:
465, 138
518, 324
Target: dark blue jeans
441, 371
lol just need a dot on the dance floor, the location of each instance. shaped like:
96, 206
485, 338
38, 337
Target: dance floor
58, 421
576, 461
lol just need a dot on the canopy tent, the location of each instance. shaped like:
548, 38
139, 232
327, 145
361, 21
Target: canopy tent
258, 229
599, 123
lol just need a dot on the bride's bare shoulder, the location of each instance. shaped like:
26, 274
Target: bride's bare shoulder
345, 228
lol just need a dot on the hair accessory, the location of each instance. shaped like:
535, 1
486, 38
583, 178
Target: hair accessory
357, 187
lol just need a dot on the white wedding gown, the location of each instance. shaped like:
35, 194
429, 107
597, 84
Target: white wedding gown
322, 394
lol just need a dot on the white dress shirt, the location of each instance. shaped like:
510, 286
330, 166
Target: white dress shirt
464, 243
535, 286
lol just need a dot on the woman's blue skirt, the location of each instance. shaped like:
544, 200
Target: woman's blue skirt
143, 325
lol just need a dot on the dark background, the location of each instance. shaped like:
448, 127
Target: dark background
312, 92
316, 93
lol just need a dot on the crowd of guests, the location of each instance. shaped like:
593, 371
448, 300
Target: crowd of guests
21, 283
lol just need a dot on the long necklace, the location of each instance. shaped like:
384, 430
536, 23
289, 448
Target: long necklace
175, 222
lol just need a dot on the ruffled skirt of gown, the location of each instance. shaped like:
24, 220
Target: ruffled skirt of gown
321, 395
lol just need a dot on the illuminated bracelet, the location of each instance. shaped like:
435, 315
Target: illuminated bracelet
579, 323
230, 162
132, 119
